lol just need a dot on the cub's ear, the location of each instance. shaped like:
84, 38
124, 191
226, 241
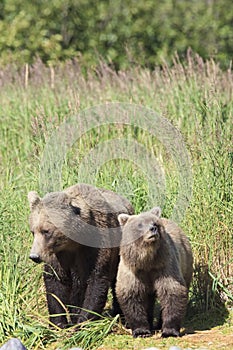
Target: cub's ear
33, 199
156, 211
123, 218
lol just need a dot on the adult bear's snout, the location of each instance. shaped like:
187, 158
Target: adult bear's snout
35, 258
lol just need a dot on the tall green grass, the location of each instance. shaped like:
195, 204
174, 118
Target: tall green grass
197, 98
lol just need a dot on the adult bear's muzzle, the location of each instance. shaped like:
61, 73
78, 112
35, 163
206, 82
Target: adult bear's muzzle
36, 258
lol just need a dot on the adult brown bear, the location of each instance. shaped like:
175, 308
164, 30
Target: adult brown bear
76, 233
156, 261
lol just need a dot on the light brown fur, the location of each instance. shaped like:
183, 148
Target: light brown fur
156, 260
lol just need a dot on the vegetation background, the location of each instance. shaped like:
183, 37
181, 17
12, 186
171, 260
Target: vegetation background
59, 58
126, 32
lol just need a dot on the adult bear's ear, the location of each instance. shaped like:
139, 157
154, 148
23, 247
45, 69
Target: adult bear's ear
156, 211
123, 218
33, 199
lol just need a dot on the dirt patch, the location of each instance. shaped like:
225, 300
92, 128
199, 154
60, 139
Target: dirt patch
214, 339
211, 339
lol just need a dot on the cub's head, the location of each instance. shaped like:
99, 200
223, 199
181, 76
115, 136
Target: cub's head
141, 236
49, 221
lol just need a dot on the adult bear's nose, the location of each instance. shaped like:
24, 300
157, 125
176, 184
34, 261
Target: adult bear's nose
35, 258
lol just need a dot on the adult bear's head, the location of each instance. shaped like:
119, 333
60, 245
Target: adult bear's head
54, 221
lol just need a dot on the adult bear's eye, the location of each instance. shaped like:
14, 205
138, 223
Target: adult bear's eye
76, 210
46, 233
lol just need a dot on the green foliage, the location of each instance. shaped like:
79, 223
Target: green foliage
91, 334
121, 32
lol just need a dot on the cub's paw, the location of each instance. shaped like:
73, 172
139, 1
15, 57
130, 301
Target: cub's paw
141, 332
170, 332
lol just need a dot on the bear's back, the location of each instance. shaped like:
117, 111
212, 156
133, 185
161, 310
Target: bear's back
104, 205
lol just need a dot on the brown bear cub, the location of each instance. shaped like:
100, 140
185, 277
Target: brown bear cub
155, 261
77, 235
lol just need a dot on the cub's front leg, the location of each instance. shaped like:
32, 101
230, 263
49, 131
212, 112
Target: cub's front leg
133, 300
173, 297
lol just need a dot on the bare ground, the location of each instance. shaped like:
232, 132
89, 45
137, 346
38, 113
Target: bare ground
220, 337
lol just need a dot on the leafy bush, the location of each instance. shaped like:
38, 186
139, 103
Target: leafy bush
121, 32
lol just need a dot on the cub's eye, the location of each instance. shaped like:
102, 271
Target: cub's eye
140, 226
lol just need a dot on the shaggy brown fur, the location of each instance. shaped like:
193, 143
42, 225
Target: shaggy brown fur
156, 260
74, 232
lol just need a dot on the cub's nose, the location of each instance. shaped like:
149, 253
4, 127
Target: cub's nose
35, 258
154, 228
